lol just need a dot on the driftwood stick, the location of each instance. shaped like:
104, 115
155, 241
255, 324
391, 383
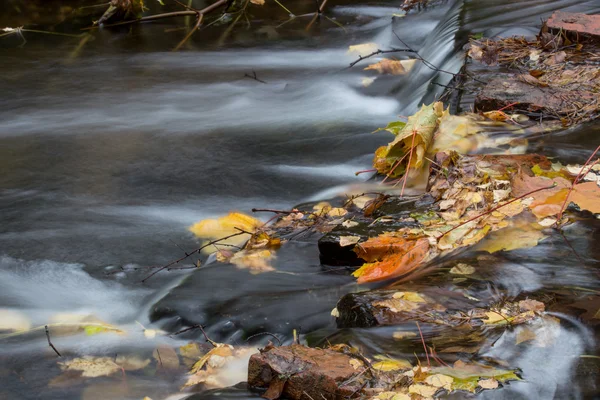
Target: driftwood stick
50, 342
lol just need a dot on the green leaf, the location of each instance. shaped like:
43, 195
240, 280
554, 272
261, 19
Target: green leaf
393, 127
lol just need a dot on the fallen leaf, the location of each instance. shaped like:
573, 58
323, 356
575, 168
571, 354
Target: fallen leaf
462, 269
258, 2
225, 226
349, 224
586, 196
387, 66
256, 261
522, 236
394, 256
531, 305
440, 381
356, 364
390, 364
422, 390
364, 49
348, 240
391, 396
489, 383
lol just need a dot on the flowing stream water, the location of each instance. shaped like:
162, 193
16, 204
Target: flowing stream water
111, 150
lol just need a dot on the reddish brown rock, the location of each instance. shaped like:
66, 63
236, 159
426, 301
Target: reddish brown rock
582, 24
299, 372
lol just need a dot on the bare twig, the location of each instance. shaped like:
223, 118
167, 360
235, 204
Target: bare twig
50, 342
263, 334
423, 341
212, 242
579, 176
493, 209
360, 58
174, 14
253, 76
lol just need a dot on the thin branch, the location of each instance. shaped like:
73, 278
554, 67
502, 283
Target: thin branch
50, 342
263, 334
493, 209
579, 176
360, 58
155, 17
190, 33
193, 252
253, 76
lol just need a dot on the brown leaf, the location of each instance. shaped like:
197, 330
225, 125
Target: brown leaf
387, 66
586, 196
528, 78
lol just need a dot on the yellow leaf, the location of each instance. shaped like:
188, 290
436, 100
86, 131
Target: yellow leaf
363, 49
389, 364
391, 396
257, 261
258, 2
494, 317
409, 296
422, 390
348, 240
222, 350
462, 269
440, 381
225, 226
337, 212
517, 237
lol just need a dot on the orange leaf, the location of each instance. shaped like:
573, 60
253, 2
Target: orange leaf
587, 196
387, 66
393, 256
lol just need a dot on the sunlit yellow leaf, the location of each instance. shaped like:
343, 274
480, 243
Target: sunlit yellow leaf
225, 226
390, 364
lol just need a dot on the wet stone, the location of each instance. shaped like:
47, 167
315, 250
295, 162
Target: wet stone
392, 214
508, 89
299, 372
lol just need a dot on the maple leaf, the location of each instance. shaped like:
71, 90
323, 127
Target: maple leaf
389, 256
413, 139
